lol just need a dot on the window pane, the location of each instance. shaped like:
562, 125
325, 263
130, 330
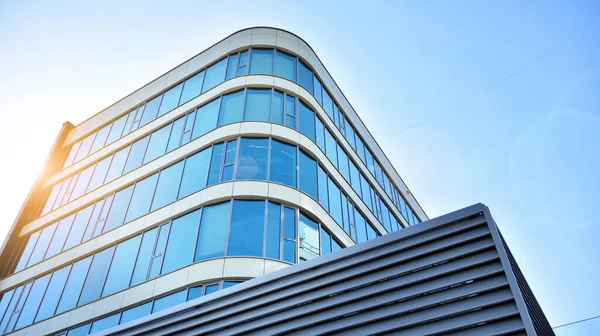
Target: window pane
105, 323
370, 232
366, 192
182, 242
331, 148
273, 230
243, 64
285, 66
323, 195
98, 218
84, 149
170, 99
360, 226
96, 276
55, 288
305, 77
116, 130
231, 66
328, 104
100, 138
187, 131
74, 284
11, 307
283, 163
325, 242
42, 245
290, 111
62, 230
99, 174
307, 121
307, 173
253, 159
72, 154
194, 292
318, 90
138, 149
247, 229
258, 104
213, 231
143, 257
33, 301
227, 284
211, 289
27, 251
335, 246
261, 61
335, 205
215, 164
194, 173
136, 312
122, 265
169, 301
51, 198
150, 111
168, 184
79, 331
320, 136
117, 164
215, 75
176, 131
206, 118
289, 235
118, 209
231, 108
308, 233
343, 163
277, 108
142, 197
157, 144
82, 182
355, 178
230, 151
78, 228
192, 87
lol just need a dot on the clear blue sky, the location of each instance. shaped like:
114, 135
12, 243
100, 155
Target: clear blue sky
529, 148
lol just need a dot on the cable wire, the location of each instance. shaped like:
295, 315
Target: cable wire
502, 80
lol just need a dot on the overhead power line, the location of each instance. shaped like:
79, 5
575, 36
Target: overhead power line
502, 80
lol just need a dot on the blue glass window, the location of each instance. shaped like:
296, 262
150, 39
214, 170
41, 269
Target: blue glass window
141, 199
96, 276
350, 137
243, 64
194, 292
181, 242
325, 242
71, 157
122, 265
227, 284
176, 131
355, 178
328, 104
231, 108
360, 149
133, 121
192, 87
261, 61
331, 148
117, 164
51, 198
99, 216
211, 289
168, 185
318, 91
232, 62
84, 149
253, 159
335, 246
42, 244
343, 163
6, 297
283, 163
33, 301
215, 75
100, 138
308, 234
136, 155
27, 251
366, 192
99, 173
285, 66
290, 111
158, 252
62, 230
105, 323
157, 144
206, 118
74, 284
306, 123
150, 111
258, 104
229, 161
143, 257
335, 203
273, 233
320, 130
80, 331
55, 289
169, 301
289, 235
370, 232
323, 196
116, 130
247, 228
360, 226
307, 175
194, 173
136, 312
118, 209
213, 231
170, 99
277, 108
187, 130
214, 172
12, 312
305, 77
78, 228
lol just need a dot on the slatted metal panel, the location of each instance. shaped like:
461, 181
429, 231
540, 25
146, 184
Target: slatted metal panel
443, 276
